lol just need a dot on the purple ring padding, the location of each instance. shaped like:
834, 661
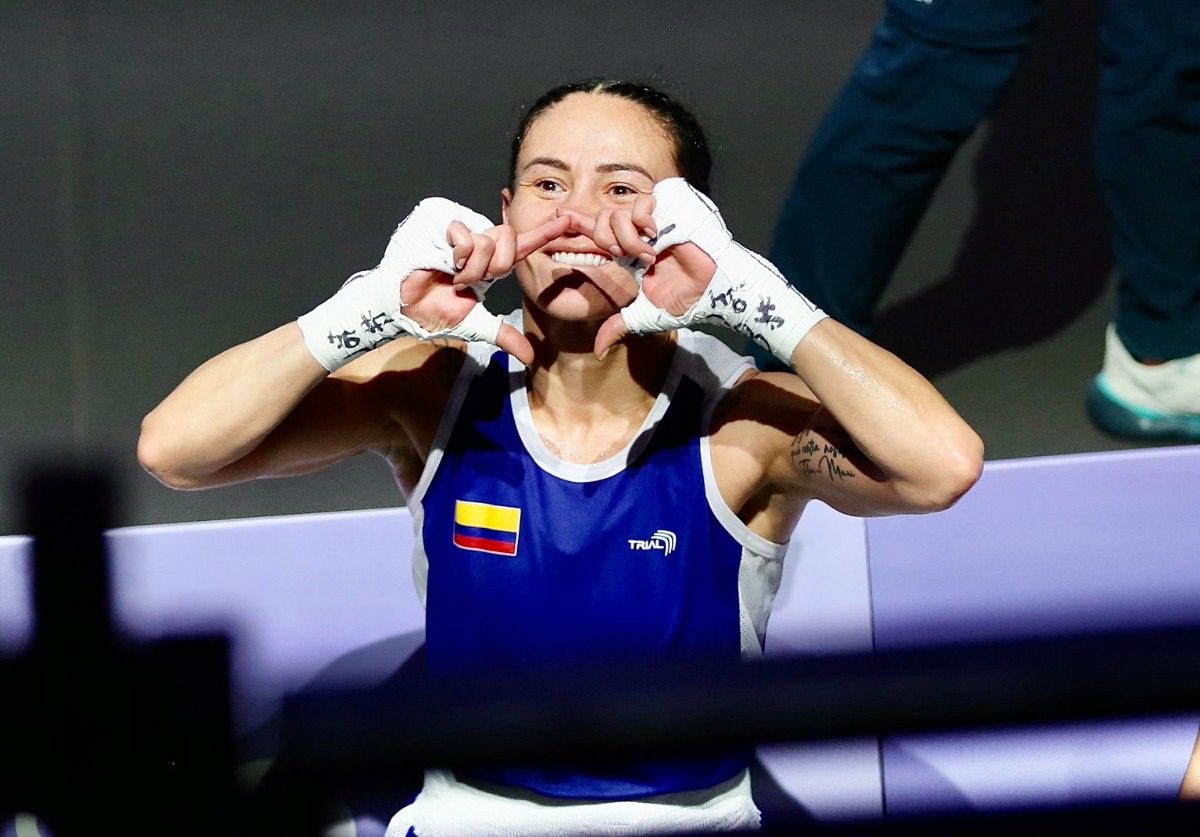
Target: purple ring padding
1045, 545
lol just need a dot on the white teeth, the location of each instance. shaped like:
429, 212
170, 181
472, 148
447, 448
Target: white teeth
580, 259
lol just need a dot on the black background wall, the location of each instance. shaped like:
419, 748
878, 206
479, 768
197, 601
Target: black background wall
179, 177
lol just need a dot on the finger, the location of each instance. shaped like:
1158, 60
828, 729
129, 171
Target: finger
515, 343
539, 237
504, 256
461, 243
603, 235
501, 262
612, 331
629, 239
476, 267
643, 215
579, 222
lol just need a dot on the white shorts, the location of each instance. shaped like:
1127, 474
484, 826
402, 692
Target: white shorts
446, 806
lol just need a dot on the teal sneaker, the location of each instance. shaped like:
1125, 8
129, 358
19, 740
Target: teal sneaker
1136, 401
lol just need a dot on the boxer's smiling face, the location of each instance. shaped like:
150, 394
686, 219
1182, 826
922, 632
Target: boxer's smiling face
588, 152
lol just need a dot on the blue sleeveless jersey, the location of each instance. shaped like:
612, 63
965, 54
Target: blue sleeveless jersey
533, 563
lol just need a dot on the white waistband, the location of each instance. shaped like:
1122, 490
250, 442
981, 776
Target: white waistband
446, 806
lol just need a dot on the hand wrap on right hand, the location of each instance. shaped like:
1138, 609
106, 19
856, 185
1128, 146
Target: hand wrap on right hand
367, 311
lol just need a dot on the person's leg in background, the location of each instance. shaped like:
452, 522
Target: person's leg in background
933, 71
1147, 147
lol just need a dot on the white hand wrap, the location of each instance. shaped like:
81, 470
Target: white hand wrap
747, 293
367, 311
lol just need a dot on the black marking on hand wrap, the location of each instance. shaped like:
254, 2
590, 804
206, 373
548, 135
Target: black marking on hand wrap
374, 323
728, 299
765, 315
347, 339
661, 233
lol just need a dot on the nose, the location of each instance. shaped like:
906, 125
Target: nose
582, 200
581, 208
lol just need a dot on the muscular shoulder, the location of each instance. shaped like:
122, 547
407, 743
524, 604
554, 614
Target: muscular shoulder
406, 384
780, 447
754, 428
763, 402
762, 414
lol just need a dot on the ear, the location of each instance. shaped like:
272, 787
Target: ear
505, 203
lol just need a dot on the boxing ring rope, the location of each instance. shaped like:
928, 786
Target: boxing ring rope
94, 717
360, 736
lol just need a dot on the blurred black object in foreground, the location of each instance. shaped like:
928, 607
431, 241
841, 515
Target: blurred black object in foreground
358, 738
107, 735
104, 735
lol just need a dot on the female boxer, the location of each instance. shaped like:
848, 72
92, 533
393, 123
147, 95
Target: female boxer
608, 484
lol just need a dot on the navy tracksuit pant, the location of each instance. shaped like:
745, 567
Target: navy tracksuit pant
934, 70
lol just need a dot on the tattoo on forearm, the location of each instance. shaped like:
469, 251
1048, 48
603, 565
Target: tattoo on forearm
815, 457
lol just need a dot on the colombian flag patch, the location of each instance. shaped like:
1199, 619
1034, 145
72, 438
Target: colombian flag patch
486, 528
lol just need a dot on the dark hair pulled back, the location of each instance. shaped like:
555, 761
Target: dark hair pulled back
691, 148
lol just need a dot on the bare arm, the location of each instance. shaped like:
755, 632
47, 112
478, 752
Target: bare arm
206, 432
1190, 789
856, 427
885, 440
900, 449
268, 407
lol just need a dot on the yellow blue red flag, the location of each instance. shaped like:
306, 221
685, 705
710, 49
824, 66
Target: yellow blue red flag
484, 527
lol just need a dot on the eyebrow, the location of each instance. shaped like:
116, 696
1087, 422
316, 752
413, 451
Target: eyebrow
555, 163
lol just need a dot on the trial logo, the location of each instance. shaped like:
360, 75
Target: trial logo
662, 539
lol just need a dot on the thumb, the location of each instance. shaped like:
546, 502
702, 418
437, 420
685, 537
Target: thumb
515, 343
612, 331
